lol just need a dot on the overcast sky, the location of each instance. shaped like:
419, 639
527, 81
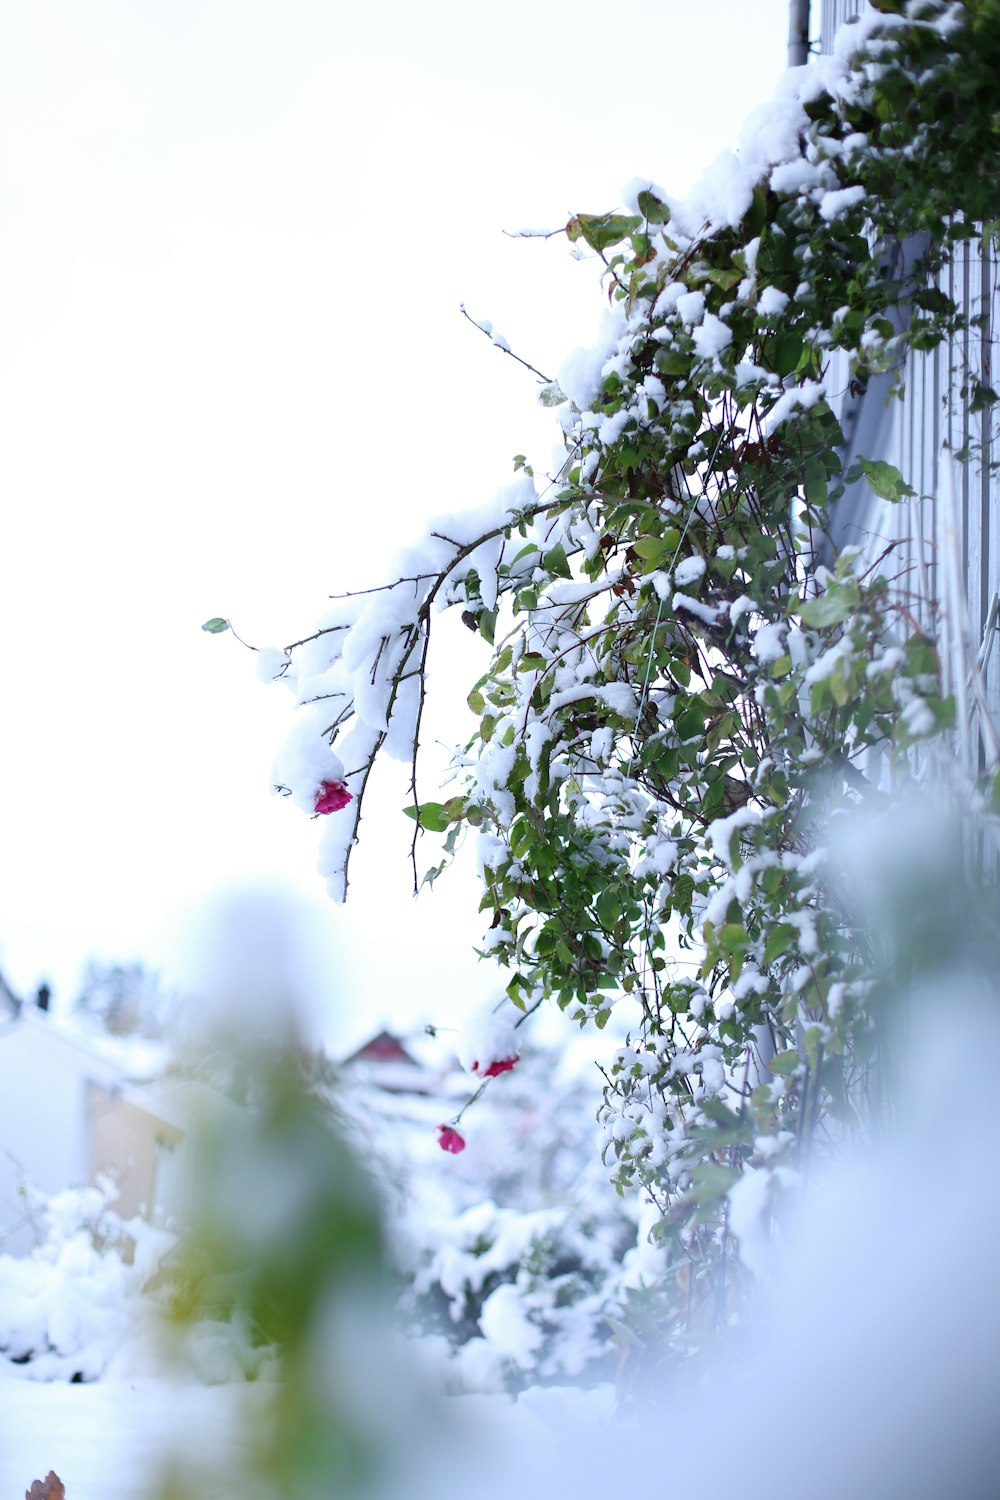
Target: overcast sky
234, 378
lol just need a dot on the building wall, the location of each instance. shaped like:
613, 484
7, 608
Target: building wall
43, 1116
67, 1115
129, 1143
834, 13
956, 513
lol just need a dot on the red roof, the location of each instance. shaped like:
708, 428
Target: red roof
383, 1048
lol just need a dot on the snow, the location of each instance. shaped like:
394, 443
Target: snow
834, 204
712, 337
794, 176
720, 832
691, 307
113, 1437
772, 302
769, 641
805, 395
707, 613
722, 197
506, 1326
271, 662
580, 373
659, 857
688, 571
486, 1037
911, 1377
826, 664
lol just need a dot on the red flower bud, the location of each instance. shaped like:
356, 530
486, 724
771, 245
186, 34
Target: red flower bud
331, 797
450, 1140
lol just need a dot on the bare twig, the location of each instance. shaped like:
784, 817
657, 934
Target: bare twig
503, 346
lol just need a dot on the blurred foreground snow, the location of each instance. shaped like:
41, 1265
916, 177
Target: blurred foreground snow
870, 1369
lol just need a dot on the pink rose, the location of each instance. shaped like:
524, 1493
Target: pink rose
450, 1140
331, 797
502, 1065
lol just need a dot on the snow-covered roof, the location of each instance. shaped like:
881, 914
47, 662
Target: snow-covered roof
106, 1057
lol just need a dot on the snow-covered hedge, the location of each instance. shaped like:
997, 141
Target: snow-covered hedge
67, 1307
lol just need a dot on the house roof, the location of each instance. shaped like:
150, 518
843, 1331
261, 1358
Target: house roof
382, 1048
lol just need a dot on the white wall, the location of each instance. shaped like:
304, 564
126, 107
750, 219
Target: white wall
43, 1093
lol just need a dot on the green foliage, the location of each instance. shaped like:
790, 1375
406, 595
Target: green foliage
287, 1239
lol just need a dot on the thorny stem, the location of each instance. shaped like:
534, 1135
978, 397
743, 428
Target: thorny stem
504, 349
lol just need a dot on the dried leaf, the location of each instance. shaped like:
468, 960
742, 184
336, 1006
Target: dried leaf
49, 1488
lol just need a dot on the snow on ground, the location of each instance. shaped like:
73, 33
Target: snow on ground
111, 1437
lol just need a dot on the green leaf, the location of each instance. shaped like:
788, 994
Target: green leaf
982, 397
514, 991
726, 278
476, 701
756, 216
884, 479
840, 686
655, 211
733, 939
711, 1180
780, 938
555, 561
784, 1062
487, 623
672, 361
814, 481
784, 352
831, 608
650, 548
691, 723
430, 815
609, 908
601, 230
216, 625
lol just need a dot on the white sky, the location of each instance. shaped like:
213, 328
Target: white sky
234, 378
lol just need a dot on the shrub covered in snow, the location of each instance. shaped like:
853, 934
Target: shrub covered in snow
503, 1299
66, 1308
512, 1253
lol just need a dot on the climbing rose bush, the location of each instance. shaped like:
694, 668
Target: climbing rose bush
689, 693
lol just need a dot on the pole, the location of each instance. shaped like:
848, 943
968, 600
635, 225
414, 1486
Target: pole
798, 33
